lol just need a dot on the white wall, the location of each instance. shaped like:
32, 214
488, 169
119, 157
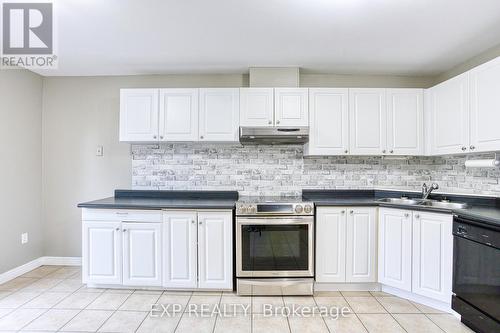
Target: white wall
20, 167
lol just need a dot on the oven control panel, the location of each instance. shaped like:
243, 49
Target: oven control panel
304, 208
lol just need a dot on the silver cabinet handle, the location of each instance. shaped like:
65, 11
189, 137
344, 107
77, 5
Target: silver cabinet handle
351, 212
472, 147
464, 148
343, 212
117, 229
201, 136
269, 122
383, 151
124, 230
161, 137
192, 221
154, 136
121, 213
277, 121
392, 151
417, 216
200, 222
406, 214
346, 151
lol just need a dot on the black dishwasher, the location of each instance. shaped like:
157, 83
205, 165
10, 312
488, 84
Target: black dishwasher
476, 274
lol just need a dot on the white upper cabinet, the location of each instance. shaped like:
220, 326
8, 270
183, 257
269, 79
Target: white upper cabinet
142, 254
180, 232
367, 121
328, 122
361, 245
215, 248
291, 107
485, 107
178, 114
432, 255
219, 114
405, 132
139, 115
330, 244
256, 106
394, 248
449, 112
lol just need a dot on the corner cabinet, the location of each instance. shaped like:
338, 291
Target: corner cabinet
346, 244
416, 252
198, 249
449, 112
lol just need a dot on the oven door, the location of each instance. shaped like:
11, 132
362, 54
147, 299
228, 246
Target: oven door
275, 246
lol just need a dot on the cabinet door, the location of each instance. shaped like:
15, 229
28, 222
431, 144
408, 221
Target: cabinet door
139, 115
328, 122
485, 106
367, 121
449, 103
291, 107
219, 114
141, 254
178, 114
215, 250
256, 106
405, 116
432, 255
330, 244
102, 252
394, 248
179, 252
361, 248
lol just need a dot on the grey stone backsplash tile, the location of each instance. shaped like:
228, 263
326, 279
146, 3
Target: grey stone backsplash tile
283, 170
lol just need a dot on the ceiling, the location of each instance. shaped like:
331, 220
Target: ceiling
396, 37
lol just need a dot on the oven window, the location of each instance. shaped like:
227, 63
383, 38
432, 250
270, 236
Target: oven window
275, 247
476, 275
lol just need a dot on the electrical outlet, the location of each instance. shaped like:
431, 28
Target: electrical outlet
99, 151
24, 238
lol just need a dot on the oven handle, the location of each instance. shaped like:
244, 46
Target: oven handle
275, 221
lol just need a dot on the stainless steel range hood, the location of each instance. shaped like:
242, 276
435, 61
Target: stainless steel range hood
274, 135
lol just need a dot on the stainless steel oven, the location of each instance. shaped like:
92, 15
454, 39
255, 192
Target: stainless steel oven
274, 248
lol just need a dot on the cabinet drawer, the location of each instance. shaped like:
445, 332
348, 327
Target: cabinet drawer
127, 215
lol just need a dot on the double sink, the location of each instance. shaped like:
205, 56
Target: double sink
424, 203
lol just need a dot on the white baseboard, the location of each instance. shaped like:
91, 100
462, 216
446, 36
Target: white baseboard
29, 266
443, 306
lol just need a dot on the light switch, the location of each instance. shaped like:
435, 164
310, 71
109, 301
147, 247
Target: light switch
99, 151
24, 238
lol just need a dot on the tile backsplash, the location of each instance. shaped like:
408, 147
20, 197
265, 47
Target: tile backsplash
283, 170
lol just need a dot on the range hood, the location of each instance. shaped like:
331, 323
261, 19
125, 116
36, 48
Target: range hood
274, 135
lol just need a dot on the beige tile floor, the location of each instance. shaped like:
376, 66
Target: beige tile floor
53, 299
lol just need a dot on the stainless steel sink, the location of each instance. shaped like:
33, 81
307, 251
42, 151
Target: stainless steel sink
400, 201
443, 204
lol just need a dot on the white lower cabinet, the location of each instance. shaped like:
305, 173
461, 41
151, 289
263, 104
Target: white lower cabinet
416, 251
346, 244
102, 252
180, 232
198, 249
141, 254
361, 245
432, 255
189, 250
394, 248
122, 253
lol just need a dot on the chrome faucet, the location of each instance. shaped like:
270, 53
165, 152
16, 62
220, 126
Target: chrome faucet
426, 191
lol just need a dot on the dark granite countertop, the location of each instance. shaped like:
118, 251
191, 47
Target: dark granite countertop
134, 199
481, 208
